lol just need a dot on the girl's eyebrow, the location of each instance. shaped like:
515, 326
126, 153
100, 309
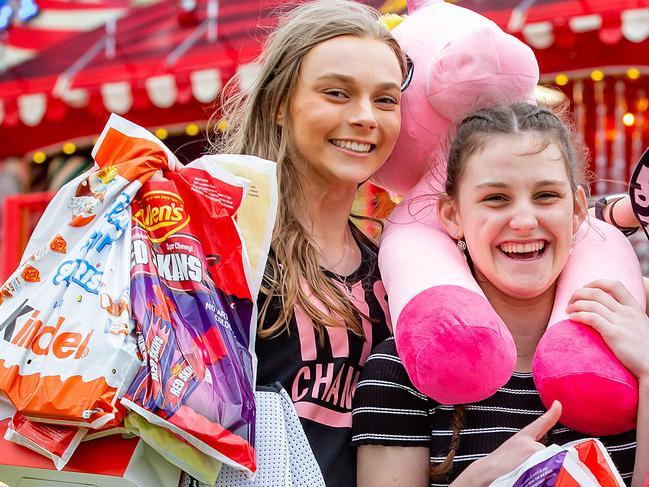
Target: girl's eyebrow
501, 185
348, 79
338, 76
490, 184
552, 182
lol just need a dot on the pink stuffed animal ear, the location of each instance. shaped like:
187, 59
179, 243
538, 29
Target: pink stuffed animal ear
482, 68
415, 4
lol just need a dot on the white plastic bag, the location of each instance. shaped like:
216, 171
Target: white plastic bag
67, 352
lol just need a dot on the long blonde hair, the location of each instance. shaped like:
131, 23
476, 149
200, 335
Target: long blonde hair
252, 129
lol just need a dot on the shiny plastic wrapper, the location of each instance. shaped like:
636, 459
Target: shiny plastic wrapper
66, 350
582, 463
191, 291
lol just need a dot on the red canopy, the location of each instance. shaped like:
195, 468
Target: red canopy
57, 20
162, 73
151, 69
575, 34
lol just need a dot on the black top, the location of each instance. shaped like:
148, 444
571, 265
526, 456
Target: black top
388, 410
321, 379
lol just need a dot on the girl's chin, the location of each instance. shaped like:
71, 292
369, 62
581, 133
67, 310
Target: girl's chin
529, 291
522, 289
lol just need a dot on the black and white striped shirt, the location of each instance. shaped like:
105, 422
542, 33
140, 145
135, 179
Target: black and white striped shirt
389, 410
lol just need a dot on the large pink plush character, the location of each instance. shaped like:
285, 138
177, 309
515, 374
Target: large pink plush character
454, 346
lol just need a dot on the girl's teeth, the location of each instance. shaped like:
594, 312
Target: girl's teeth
522, 248
352, 146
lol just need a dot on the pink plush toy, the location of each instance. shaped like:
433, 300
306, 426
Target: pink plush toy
454, 346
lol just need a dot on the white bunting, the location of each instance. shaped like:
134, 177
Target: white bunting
31, 108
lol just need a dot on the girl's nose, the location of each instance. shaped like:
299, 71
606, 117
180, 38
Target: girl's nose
363, 115
523, 220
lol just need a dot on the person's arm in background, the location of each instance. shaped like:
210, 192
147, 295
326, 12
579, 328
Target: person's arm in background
615, 209
622, 217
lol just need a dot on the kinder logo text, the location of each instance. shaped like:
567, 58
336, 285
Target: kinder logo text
161, 213
48, 339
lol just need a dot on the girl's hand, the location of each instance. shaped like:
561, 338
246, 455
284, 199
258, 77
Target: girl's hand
512, 453
613, 312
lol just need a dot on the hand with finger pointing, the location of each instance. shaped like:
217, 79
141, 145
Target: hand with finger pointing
609, 308
512, 453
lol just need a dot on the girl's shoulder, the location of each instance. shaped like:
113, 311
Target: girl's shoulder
388, 409
384, 371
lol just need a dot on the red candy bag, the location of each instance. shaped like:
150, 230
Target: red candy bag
195, 313
55, 442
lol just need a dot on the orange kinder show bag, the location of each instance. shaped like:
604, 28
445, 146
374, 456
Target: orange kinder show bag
66, 348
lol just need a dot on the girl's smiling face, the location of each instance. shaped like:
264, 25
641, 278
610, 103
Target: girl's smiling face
344, 112
517, 211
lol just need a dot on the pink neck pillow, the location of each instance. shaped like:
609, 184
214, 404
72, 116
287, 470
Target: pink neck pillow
454, 346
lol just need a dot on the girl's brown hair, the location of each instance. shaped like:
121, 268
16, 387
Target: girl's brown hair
293, 273
476, 130
441, 470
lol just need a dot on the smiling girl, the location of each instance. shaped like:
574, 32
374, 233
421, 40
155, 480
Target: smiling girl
514, 200
325, 107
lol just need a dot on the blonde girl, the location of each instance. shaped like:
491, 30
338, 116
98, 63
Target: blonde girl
325, 107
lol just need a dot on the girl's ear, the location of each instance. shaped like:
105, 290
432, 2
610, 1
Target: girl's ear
581, 208
449, 217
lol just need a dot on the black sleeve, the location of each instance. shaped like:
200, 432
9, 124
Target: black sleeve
388, 409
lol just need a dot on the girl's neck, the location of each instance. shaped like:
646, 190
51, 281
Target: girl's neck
526, 319
328, 224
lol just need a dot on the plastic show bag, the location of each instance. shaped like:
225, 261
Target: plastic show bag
256, 215
195, 315
173, 449
66, 348
284, 455
106, 462
582, 463
56, 442
111, 461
